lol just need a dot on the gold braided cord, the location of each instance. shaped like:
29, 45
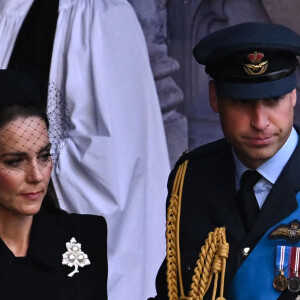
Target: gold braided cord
178, 227
172, 234
212, 261
212, 257
171, 249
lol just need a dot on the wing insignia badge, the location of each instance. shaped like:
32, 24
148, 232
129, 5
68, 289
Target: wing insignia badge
289, 232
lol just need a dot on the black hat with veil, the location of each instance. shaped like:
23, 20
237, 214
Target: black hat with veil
20, 103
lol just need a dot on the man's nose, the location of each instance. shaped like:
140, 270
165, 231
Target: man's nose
259, 117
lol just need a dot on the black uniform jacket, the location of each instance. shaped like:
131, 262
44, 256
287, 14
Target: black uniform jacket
208, 202
41, 275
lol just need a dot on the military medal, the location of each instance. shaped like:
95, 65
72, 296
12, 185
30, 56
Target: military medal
280, 281
294, 280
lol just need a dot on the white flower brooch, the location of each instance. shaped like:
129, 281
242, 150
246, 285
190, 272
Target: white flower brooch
74, 256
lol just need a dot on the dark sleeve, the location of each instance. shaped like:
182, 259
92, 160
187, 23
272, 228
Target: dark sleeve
161, 280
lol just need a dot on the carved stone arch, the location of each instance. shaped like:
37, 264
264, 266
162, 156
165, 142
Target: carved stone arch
209, 16
206, 16
172, 28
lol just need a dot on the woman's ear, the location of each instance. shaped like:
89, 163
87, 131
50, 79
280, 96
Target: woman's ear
213, 96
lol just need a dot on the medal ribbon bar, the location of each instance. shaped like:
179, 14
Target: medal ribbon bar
294, 280
282, 260
280, 282
294, 265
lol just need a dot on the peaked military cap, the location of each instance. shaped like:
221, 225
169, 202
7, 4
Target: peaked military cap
251, 60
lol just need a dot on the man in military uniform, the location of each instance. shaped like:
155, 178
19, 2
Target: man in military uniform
232, 203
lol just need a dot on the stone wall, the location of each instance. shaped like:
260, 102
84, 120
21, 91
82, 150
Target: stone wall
152, 15
188, 22
172, 28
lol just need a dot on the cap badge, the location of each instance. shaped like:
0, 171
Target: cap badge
75, 257
256, 67
289, 232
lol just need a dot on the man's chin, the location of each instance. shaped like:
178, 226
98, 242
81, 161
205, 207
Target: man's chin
255, 156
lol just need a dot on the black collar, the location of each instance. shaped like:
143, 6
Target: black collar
49, 234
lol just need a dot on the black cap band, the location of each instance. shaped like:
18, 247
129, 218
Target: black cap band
262, 90
251, 60
262, 78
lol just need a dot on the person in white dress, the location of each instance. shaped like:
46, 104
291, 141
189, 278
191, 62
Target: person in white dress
115, 161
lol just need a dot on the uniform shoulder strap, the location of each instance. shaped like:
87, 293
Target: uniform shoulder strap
212, 257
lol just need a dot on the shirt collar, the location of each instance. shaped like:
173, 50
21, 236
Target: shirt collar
270, 169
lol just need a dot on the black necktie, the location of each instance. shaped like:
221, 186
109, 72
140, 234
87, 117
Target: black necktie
246, 199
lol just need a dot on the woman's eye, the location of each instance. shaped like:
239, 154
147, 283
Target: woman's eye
14, 162
45, 156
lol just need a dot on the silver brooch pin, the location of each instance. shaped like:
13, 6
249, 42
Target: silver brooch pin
74, 257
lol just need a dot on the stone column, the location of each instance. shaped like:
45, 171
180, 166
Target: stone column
152, 15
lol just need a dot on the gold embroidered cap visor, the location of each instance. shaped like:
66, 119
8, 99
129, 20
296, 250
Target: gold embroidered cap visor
251, 60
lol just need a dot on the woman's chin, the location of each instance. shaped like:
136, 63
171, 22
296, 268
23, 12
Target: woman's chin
31, 210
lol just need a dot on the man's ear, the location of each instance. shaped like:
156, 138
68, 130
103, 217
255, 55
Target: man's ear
294, 97
213, 96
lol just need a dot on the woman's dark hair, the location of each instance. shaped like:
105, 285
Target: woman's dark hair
20, 97
50, 201
14, 111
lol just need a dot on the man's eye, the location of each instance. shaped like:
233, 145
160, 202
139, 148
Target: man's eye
276, 99
240, 101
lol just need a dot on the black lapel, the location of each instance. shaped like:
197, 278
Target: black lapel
223, 194
48, 238
6, 256
281, 200
33, 48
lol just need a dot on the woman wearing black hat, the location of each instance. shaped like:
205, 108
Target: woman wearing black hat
45, 253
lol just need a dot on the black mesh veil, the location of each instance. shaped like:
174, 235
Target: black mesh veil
30, 138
